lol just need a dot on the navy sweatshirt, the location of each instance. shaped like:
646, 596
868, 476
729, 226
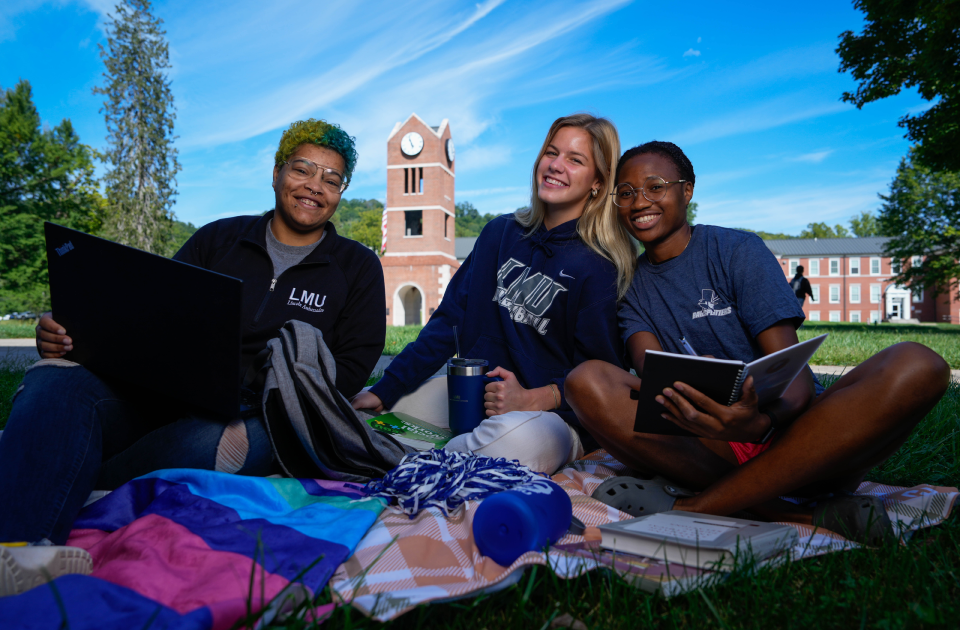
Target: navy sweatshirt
537, 306
337, 288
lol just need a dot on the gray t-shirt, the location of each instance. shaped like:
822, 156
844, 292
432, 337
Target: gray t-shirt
719, 294
286, 256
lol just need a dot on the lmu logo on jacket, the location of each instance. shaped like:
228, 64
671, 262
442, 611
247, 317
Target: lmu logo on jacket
528, 297
308, 301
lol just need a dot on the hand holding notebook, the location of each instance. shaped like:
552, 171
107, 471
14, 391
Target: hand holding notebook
718, 380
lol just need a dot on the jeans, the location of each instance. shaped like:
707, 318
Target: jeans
70, 432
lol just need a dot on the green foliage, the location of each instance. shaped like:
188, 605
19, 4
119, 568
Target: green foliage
139, 112
922, 214
771, 236
852, 344
178, 234
17, 329
907, 44
866, 224
359, 219
691, 212
45, 175
469, 221
822, 230
398, 337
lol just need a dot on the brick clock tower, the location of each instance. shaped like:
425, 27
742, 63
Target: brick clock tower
420, 256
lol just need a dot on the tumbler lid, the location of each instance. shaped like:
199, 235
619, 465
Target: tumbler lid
466, 367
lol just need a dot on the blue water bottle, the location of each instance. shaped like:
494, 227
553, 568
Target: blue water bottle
529, 518
466, 384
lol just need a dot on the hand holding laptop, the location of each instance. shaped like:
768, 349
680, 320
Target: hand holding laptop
52, 339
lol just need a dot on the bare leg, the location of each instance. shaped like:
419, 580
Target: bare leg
855, 425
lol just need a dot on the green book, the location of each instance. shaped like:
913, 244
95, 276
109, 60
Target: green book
411, 431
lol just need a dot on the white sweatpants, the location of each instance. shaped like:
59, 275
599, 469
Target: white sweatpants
540, 440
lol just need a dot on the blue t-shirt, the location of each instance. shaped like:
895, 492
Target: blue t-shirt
719, 294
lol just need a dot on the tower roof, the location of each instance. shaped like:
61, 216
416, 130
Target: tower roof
437, 131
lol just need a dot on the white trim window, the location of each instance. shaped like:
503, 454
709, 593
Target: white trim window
875, 291
814, 269
834, 266
834, 293
874, 266
917, 295
916, 261
814, 316
874, 317
855, 317
834, 316
855, 293
794, 263
854, 266
815, 298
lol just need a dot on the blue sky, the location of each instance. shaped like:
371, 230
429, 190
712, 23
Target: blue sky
751, 93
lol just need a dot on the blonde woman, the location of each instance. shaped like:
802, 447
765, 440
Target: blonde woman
535, 298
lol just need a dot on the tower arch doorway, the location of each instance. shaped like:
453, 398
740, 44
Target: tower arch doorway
408, 306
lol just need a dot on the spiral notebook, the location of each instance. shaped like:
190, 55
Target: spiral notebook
720, 379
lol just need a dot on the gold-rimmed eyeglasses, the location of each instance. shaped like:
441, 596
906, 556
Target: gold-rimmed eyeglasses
653, 189
302, 169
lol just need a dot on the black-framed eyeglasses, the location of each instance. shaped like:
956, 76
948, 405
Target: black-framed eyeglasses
333, 180
654, 188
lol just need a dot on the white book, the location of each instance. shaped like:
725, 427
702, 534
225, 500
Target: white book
701, 540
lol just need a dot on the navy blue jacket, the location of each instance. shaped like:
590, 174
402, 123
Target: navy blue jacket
537, 306
337, 289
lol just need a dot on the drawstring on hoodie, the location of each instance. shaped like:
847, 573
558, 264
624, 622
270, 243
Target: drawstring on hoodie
540, 239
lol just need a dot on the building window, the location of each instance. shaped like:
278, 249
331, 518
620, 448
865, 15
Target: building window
406, 181
814, 267
834, 266
855, 317
794, 263
420, 184
446, 226
895, 266
834, 293
874, 266
917, 295
916, 261
874, 317
875, 291
414, 222
854, 266
855, 293
815, 298
814, 316
834, 316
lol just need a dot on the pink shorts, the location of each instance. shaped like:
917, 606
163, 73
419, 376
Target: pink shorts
745, 451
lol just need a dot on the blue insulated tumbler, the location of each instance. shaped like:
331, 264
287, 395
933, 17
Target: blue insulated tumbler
529, 518
466, 381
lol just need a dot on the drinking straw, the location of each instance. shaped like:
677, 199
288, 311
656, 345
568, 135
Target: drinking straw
456, 341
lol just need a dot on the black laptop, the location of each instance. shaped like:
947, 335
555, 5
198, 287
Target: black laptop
140, 318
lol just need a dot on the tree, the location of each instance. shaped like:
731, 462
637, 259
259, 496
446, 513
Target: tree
359, 219
865, 225
822, 230
691, 212
469, 221
922, 214
140, 180
906, 44
45, 175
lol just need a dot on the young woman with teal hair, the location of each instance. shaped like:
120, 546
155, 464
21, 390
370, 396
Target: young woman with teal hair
70, 431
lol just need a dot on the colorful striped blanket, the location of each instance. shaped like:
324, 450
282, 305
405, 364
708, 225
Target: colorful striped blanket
200, 550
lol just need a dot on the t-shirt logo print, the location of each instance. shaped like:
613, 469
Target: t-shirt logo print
528, 297
708, 305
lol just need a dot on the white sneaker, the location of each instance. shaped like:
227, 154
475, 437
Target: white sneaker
22, 568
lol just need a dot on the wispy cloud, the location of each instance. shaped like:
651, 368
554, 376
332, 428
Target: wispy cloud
484, 192
768, 115
692, 53
812, 158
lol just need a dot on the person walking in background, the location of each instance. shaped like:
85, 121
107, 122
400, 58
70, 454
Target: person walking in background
801, 286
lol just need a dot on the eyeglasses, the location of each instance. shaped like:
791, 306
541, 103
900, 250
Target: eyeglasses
654, 188
303, 169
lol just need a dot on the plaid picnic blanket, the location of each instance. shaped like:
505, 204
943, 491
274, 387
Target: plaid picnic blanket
402, 563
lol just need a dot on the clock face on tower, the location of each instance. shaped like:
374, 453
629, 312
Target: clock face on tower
450, 151
412, 144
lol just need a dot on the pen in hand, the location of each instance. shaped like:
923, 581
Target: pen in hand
688, 348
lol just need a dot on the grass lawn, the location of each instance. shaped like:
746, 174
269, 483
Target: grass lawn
915, 586
20, 329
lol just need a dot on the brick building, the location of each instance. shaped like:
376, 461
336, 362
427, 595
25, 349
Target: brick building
420, 257
850, 279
